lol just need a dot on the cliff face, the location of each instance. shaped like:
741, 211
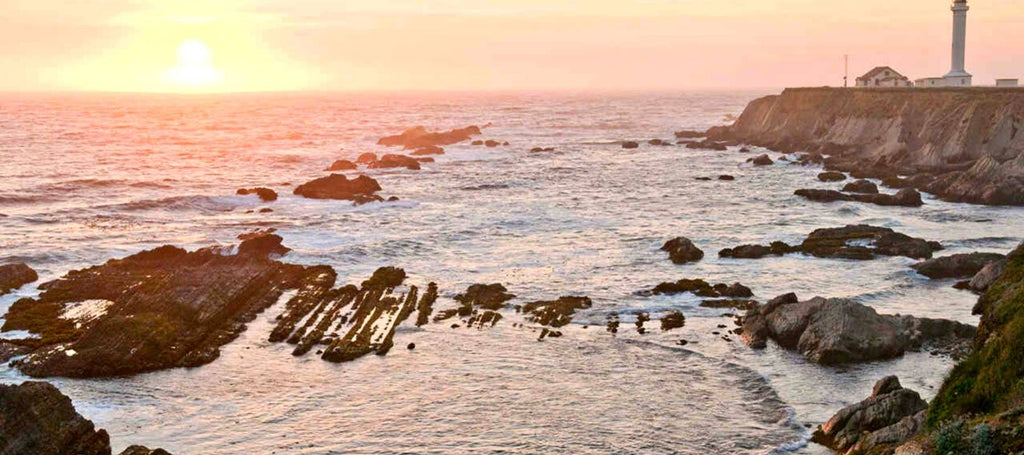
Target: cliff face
961, 144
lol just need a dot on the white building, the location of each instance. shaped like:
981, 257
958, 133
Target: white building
883, 76
957, 75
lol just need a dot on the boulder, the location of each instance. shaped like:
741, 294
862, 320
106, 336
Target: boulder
418, 137
957, 265
707, 145
762, 160
861, 186
157, 309
888, 418
681, 250
391, 161
672, 320
35, 418
14, 276
756, 251
837, 331
366, 158
344, 165
726, 178
491, 143
630, 145
906, 197
336, 186
265, 194
987, 275
428, 150
831, 176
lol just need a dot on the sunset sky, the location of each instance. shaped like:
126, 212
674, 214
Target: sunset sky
234, 45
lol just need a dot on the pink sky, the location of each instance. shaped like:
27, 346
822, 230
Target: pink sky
132, 45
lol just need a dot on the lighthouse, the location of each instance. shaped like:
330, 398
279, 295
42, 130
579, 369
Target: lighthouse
958, 76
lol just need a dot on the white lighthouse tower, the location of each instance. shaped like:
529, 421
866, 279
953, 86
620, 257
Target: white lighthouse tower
958, 76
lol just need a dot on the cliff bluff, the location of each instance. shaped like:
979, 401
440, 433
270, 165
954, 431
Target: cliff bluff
963, 145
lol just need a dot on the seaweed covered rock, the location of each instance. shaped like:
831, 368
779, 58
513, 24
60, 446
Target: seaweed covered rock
360, 190
157, 309
419, 138
957, 265
14, 276
836, 331
886, 419
681, 250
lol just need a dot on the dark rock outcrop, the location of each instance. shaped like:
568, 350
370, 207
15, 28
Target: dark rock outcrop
630, 145
157, 309
831, 176
762, 160
142, 450
672, 320
361, 189
14, 276
963, 145
889, 417
366, 158
726, 177
861, 242
391, 161
700, 288
906, 197
480, 303
344, 165
418, 137
35, 418
861, 186
555, 313
265, 194
987, 275
957, 265
836, 331
681, 250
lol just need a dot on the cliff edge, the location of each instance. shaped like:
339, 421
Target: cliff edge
961, 144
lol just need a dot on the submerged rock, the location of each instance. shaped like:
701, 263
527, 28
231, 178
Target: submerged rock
14, 276
419, 138
681, 250
361, 189
957, 265
836, 331
762, 160
689, 134
555, 313
831, 176
35, 418
265, 194
906, 197
429, 150
859, 242
700, 288
157, 309
630, 145
542, 149
889, 417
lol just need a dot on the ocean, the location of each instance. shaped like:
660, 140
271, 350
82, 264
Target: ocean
89, 177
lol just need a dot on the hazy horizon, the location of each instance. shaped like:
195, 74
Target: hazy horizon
497, 45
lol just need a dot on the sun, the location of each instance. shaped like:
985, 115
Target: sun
195, 70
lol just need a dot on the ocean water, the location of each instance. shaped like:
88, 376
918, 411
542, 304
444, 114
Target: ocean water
91, 177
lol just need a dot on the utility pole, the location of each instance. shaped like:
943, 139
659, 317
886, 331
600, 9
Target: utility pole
846, 70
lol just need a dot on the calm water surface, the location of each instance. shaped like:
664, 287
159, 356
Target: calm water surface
88, 178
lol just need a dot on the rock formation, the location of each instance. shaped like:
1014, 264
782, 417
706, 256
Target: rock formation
964, 145
907, 197
630, 145
360, 190
265, 194
889, 417
157, 309
14, 276
555, 313
391, 161
835, 331
344, 165
831, 176
861, 242
861, 186
428, 150
681, 250
701, 288
957, 265
419, 138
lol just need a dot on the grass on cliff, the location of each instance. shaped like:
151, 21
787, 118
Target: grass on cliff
990, 380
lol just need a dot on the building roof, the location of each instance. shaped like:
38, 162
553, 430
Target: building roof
878, 70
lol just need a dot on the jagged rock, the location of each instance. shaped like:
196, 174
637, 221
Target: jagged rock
344, 165
35, 418
987, 275
888, 418
762, 160
385, 277
418, 137
861, 186
555, 313
681, 250
672, 320
957, 265
429, 150
391, 161
14, 276
361, 189
366, 158
265, 194
487, 296
835, 331
630, 145
157, 309
831, 176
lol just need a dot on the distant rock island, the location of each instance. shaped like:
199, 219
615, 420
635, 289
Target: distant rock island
961, 144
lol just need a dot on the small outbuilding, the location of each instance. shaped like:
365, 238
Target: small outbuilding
1007, 82
883, 76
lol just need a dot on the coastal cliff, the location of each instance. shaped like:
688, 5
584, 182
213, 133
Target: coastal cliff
963, 145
